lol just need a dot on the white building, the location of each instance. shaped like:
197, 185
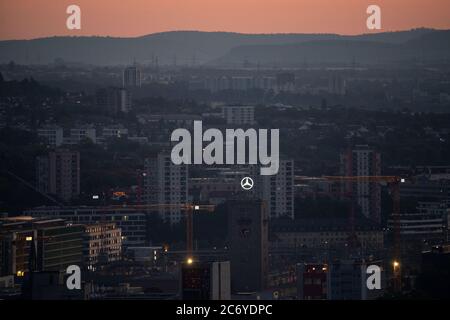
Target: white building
166, 183
277, 190
52, 135
239, 115
362, 161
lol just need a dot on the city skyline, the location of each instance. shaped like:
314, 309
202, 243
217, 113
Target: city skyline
303, 153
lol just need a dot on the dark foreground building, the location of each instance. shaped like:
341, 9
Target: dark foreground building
248, 236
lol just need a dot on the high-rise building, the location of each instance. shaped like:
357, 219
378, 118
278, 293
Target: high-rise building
248, 237
363, 161
58, 173
166, 183
114, 99
239, 115
276, 190
131, 77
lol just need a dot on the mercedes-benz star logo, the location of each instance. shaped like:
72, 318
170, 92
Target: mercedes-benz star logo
247, 183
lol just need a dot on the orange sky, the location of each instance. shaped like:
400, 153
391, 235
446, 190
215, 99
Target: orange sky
24, 19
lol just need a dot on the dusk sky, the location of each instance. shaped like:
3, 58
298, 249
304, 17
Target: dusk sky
25, 19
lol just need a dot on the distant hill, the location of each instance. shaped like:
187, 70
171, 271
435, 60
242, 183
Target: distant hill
431, 46
185, 47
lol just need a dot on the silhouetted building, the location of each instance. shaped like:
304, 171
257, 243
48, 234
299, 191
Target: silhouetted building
336, 84
49, 285
348, 280
132, 77
248, 236
205, 281
434, 277
285, 82
114, 99
312, 280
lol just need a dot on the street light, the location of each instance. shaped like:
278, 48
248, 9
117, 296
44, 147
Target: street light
397, 276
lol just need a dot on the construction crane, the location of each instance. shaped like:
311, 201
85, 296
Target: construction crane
12, 174
189, 209
393, 183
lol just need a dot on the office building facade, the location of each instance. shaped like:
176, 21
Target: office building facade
131, 221
167, 184
239, 115
102, 244
58, 173
40, 244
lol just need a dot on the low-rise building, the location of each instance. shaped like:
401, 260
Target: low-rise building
51, 135
40, 244
131, 221
324, 233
